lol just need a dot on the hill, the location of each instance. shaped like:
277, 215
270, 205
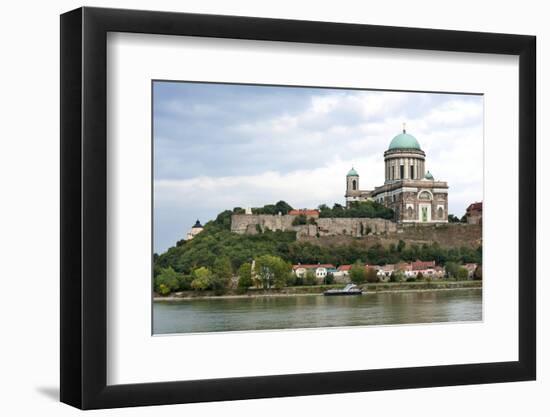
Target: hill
457, 243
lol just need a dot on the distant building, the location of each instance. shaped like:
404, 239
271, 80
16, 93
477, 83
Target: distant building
305, 212
428, 269
384, 271
342, 273
320, 270
409, 190
471, 268
474, 213
195, 230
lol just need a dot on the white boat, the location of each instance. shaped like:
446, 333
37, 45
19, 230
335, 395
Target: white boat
350, 289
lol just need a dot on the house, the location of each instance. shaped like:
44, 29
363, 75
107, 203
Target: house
471, 268
428, 269
320, 270
344, 270
384, 271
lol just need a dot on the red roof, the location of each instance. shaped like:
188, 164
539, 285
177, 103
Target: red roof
348, 267
418, 265
305, 212
344, 267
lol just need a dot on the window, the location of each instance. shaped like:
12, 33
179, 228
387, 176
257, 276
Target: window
410, 212
412, 172
401, 171
354, 185
440, 212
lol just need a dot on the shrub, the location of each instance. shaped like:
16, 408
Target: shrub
163, 289
397, 276
462, 274
329, 279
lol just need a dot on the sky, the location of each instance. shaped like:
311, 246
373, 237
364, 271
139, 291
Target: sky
220, 146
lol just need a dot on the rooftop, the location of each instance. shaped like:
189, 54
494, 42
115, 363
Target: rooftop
404, 141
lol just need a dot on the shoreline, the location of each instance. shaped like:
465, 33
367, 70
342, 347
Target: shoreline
367, 291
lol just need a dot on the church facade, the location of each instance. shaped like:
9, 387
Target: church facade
411, 191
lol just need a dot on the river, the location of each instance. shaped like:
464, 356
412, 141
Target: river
310, 311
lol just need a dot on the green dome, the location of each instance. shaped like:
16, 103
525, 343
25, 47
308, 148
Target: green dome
404, 141
352, 173
429, 176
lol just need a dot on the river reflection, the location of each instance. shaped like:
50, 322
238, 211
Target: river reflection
310, 311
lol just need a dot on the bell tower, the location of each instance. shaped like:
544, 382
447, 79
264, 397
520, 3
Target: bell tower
352, 185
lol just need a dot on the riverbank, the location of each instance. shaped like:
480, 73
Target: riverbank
388, 287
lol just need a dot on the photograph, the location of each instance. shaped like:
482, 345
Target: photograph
296, 207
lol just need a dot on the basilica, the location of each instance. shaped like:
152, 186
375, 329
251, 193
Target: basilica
410, 190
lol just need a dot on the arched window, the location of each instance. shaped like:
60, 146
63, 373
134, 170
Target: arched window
354, 185
440, 212
410, 212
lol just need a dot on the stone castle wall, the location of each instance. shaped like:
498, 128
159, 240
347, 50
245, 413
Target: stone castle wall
344, 231
354, 227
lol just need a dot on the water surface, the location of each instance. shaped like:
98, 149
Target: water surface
309, 311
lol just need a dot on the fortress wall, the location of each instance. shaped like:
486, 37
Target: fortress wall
354, 226
248, 224
343, 231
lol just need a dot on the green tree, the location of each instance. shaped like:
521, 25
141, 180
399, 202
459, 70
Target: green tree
184, 282
310, 278
283, 207
451, 269
400, 246
222, 268
453, 219
329, 279
357, 273
300, 219
202, 279
272, 271
168, 278
245, 275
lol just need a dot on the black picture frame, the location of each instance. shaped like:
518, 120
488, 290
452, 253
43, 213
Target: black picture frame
84, 207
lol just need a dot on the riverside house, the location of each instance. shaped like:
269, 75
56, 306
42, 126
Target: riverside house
320, 270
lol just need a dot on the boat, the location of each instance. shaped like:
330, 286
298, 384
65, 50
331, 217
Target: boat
350, 289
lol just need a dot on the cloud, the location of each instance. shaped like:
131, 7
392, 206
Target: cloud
221, 146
